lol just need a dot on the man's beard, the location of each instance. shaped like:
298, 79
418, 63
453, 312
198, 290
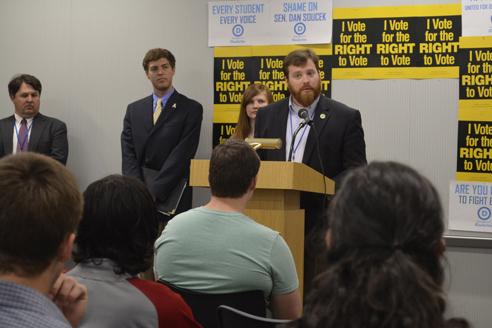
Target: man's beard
306, 97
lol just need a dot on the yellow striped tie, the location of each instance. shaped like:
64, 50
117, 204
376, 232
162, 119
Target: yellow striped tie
158, 110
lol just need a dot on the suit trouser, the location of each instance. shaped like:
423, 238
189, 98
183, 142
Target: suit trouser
149, 274
314, 246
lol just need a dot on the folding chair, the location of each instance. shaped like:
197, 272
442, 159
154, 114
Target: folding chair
230, 317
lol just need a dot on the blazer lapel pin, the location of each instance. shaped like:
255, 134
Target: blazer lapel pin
322, 116
173, 106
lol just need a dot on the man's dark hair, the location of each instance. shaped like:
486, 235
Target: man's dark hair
119, 223
16, 82
156, 54
40, 205
299, 58
233, 166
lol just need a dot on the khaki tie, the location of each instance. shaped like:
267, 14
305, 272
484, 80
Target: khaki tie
158, 110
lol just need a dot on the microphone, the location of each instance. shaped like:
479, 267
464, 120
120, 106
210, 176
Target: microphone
304, 114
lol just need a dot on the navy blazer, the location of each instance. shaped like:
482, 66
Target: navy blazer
168, 146
341, 143
48, 137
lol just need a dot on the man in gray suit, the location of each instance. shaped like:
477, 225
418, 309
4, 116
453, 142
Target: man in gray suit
29, 130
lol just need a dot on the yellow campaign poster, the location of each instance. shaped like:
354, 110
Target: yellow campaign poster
396, 42
235, 68
474, 158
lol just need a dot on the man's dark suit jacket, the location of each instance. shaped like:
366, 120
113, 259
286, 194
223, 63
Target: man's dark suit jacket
341, 144
167, 147
48, 137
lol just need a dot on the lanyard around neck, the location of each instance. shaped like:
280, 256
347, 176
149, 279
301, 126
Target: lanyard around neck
296, 145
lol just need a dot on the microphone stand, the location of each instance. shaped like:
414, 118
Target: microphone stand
318, 152
303, 123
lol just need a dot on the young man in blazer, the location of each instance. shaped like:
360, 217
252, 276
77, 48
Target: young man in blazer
29, 130
161, 132
340, 140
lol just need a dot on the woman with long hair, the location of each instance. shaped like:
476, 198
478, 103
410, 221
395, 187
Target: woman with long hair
254, 97
385, 252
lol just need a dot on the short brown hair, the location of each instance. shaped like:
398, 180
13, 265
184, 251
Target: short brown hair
299, 57
233, 166
40, 205
16, 82
156, 54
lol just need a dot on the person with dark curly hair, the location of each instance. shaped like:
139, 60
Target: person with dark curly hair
113, 244
385, 253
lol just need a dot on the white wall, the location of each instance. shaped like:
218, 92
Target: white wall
88, 56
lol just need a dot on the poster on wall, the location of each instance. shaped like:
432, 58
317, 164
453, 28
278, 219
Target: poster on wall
470, 196
402, 42
474, 157
476, 17
470, 206
235, 68
243, 23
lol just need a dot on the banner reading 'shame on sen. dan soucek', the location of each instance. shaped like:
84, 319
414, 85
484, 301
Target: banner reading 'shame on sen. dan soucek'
235, 68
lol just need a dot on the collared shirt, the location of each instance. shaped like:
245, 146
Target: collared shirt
293, 121
16, 129
24, 307
164, 99
132, 302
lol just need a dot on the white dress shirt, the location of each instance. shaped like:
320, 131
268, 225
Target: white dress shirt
16, 129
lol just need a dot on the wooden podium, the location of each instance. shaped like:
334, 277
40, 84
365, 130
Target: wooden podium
276, 200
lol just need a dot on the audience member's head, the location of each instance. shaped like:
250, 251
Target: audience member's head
254, 97
40, 207
233, 169
118, 223
385, 250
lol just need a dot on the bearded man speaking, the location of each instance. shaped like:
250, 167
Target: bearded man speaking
334, 128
